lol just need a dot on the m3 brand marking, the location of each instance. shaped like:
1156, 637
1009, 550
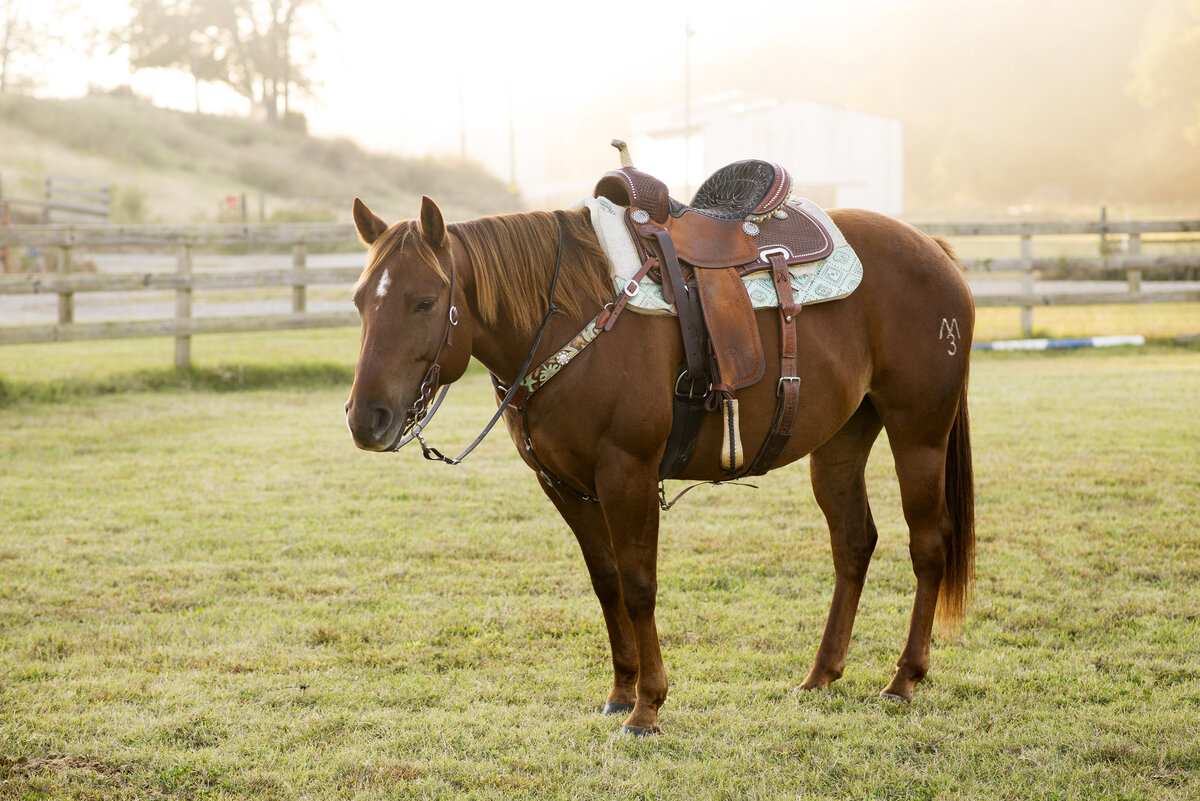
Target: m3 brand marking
949, 332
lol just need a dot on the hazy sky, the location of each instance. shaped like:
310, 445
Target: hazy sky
401, 76
1001, 100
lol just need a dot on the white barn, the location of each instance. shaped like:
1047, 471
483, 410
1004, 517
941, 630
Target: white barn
837, 157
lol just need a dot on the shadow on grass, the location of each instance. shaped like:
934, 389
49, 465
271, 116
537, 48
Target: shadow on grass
223, 378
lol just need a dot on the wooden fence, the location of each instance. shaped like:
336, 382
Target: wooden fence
70, 199
67, 240
1118, 247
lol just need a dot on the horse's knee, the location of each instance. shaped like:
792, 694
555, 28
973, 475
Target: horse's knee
607, 586
639, 595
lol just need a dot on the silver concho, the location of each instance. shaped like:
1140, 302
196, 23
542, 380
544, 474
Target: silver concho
562, 358
750, 228
780, 214
640, 216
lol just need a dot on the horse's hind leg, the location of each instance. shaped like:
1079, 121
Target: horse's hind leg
839, 484
921, 470
586, 520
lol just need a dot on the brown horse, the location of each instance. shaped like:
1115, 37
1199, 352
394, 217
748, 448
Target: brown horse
892, 355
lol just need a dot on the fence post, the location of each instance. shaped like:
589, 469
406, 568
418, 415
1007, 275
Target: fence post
1134, 276
1027, 284
6, 258
300, 290
5, 220
183, 303
66, 300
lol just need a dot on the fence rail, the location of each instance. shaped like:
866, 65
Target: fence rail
64, 241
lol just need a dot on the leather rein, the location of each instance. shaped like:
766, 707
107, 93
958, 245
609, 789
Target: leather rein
422, 411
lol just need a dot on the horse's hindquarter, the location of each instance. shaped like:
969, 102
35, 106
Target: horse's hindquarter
918, 312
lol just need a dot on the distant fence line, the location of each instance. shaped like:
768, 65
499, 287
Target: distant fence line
63, 240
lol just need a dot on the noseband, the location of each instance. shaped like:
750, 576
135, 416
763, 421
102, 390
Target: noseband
422, 411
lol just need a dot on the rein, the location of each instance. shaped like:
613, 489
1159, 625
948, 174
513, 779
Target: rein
421, 416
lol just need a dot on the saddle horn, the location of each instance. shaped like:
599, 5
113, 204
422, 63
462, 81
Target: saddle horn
623, 149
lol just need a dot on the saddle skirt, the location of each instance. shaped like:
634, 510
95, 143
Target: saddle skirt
829, 278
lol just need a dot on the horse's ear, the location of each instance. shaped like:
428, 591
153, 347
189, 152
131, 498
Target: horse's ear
369, 226
433, 227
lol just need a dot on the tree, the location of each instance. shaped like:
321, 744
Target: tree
256, 47
24, 39
1166, 67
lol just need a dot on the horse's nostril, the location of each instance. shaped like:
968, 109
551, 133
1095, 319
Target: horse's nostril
382, 420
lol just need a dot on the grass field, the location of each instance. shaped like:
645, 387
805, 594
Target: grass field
214, 595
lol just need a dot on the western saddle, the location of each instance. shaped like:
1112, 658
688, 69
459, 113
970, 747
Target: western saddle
738, 223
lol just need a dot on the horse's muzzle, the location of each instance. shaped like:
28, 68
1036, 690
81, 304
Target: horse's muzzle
374, 426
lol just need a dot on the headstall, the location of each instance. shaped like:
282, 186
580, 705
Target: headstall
422, 411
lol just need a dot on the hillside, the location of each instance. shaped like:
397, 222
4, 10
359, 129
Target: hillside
172, 166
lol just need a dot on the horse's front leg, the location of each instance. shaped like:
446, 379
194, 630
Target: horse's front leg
586, 520
627, 487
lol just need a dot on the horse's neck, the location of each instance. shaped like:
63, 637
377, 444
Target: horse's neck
503, 349
498, 346
500, 351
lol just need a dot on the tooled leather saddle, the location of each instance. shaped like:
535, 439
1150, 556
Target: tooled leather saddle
738, 222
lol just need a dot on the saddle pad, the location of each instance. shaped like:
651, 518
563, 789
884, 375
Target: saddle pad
835, 276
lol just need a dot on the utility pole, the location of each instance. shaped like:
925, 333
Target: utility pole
195, 77
687, 100
462, 117
512, 147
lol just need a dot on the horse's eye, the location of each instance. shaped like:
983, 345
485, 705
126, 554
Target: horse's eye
425, 305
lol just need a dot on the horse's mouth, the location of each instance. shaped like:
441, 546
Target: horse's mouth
410, 422
386, 430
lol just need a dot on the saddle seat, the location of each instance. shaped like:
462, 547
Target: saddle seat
739, 213
744, 190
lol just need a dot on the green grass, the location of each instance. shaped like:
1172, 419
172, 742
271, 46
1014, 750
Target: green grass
57, 371
215, 595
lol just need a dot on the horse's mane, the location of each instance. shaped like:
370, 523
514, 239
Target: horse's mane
513, 257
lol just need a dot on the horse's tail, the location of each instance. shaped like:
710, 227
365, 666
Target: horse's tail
948, 249
960, 503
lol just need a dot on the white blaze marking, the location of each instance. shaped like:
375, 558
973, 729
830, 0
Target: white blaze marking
384, 283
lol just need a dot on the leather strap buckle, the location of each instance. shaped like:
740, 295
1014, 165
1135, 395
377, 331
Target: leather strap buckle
779, 388
766, 253
690, 393
631, 288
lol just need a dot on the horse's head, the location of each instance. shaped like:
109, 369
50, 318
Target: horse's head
416, 332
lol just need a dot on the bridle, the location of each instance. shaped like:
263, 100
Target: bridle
426, 405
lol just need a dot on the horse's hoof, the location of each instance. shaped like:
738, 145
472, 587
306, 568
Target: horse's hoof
637, 731
612, 708
900, 700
